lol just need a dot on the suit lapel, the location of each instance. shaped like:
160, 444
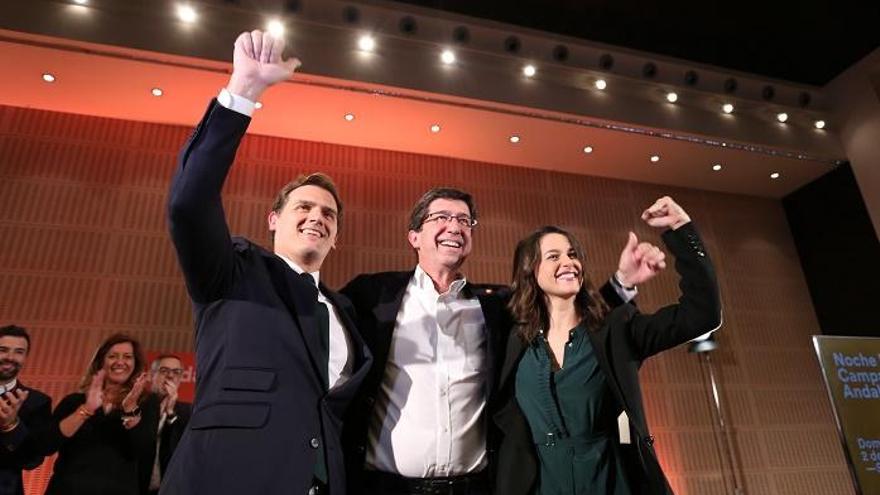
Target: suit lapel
297, 297
515, 349
385, 312
599, 340
493, 315
357, 350
357, 341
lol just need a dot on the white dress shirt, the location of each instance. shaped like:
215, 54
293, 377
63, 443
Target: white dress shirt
339, 365
428, 420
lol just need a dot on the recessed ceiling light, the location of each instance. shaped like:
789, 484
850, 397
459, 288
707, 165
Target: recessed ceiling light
820, 124
529, 70
727, 108
774, 175
782, 116
367, 43
600, 84
435, 128
186, 13
157, 91
716, 167
514, 139
655, 158
447, 57
258, 105
275, 28
672, 97
588, 149
48, 77
81, 2
349, 117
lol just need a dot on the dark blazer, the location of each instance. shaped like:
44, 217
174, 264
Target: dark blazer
377, 298
260, 411
171, 434
28, 444
622, 343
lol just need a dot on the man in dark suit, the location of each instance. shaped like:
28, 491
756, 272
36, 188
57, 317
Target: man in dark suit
278, 355
25, 414
165, 418
419, 424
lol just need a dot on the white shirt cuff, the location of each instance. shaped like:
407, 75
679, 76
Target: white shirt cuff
236, 103
626, 294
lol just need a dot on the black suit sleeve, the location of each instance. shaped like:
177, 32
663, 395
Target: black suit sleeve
358, 291
63, 409
609, 293
30, 442
699, 308
195, 210
172, 433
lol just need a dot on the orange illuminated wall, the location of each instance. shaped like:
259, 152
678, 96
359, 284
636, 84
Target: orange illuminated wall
85, 253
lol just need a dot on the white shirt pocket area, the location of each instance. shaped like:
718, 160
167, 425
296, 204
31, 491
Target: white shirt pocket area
472, 340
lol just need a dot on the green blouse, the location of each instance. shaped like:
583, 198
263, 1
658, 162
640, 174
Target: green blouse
570, 412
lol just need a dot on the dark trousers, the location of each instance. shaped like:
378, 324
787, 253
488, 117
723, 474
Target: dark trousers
379, 483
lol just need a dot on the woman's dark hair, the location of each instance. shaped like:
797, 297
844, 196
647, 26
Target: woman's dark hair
528, 304
98, 362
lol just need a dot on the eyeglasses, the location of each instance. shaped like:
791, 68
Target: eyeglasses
171, 371
445, 217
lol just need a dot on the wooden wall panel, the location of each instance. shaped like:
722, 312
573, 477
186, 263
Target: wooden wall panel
82, 210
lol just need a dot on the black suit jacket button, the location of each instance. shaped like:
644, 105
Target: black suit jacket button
314, 443
370, 401
361, 449
650, 440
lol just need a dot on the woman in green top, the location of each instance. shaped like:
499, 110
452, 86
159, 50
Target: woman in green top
571, 366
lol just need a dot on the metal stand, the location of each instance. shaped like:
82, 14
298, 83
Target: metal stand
729, 466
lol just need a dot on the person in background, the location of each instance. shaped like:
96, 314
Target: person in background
165, 417
571, 365
25, 413
99, 427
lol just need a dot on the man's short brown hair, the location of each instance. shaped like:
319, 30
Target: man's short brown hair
316, 179
420, 210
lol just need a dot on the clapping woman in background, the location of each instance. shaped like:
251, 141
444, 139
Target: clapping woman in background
98, 431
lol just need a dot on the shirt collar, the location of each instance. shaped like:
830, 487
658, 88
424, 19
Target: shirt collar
9, 386
298, 269
424, 282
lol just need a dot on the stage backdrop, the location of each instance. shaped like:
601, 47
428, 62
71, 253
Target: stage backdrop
86, 253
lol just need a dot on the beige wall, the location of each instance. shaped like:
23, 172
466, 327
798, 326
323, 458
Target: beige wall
855, 98
86, 253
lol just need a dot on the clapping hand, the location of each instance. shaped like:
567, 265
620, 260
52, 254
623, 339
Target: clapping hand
10, 403
95, 393
167, 405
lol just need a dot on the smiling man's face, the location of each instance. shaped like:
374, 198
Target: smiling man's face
442, 243
305, 228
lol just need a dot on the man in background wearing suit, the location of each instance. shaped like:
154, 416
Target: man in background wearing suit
25, 414
165, 417
420, 423
278, 355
